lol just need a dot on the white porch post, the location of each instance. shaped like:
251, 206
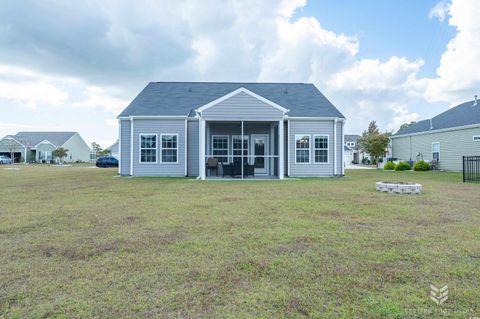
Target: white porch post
201, 155
343, 148
131, 146
335, 147
241, 163
281, 141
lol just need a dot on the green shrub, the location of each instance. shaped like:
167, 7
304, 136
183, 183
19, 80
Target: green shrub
421, 166
389, 166
402, 166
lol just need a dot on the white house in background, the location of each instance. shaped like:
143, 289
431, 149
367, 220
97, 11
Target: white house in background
38, 146
445, 138
347, 155
114, 151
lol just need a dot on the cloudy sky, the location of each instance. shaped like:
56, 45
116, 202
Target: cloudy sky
74, 65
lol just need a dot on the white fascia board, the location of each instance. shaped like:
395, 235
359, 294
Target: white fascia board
45, 142
457, 128
9, 137
155, 117
314, 118
244, 90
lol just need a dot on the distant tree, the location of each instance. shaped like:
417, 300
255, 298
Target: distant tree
60, 153
97, 149
374, 142
105, 152
405, 125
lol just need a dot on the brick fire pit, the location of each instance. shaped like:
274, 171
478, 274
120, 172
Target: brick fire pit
398, 187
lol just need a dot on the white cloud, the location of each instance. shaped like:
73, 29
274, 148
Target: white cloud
118, 48
29, 88
458, 74
440, 10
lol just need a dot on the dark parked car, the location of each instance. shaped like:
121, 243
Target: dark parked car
107, 161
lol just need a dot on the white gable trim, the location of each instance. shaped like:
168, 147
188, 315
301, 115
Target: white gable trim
45, 142
240, 90
9, 137
455, 128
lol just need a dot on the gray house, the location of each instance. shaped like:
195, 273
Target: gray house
446, 137
38, 146
214, 130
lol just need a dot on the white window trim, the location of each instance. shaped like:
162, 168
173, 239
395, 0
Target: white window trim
314, 148
476, 138
228, 146
161, 148
247, 137
309, 149
438, 150
140, 148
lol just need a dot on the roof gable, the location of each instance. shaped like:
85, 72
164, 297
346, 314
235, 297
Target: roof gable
464, 114
182, 98
238, 91
32, 139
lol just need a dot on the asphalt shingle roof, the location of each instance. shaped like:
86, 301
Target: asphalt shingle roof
351, 137
33, 138
460, 115
181, 98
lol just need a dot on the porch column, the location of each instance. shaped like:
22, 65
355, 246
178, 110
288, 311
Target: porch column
281, 142
241, 139
343, 148
201, 155
335, 146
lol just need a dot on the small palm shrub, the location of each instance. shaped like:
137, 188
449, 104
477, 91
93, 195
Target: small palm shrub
421, 166
402, 166
389, 166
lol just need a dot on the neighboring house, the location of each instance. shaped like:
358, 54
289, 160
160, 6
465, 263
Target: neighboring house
348, 155
38, 146
278, 129
356, 153
114, 151
446, 137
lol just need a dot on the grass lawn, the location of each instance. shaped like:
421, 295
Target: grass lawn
78, 242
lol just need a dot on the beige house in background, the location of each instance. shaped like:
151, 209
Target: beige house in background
446, 137
38, 146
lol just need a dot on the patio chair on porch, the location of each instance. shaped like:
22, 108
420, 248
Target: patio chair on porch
212, 163
227, 169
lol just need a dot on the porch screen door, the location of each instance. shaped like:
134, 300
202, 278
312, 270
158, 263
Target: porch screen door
260, 149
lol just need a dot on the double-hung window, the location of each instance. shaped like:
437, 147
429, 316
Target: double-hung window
169, 148
237, 148
320, 148
302, 148
148, 148
436, 151
220, 147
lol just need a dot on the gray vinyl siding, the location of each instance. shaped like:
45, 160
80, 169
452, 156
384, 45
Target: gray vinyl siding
159, 127
453, 145
42, 148
124, 140
312, 128
193, 148
78, 150
242, 106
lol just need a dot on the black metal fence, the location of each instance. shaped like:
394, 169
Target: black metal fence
471, 169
